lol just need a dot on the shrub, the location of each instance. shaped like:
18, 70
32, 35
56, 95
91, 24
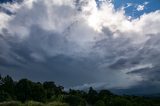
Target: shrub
11, 103
57, 104
100, 103
4, 96
75, 100
33, 103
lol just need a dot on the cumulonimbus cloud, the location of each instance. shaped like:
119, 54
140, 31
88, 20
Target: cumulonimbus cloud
40, 31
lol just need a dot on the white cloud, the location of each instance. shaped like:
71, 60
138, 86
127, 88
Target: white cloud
145, 3
142, 7
10, 6
128, 5
138, 67
4, 19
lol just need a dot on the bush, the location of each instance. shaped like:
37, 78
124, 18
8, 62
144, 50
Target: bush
75, 100
33, 103
100, 103
57, 104
4, 96
12, 103
58, 98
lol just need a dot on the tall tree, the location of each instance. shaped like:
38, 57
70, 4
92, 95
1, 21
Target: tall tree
38, 92
92, 96
8, 85
23, 90
49, 88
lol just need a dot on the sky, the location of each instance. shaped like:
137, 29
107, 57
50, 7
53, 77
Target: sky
81, 43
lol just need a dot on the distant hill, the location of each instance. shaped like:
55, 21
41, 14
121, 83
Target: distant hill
136, 92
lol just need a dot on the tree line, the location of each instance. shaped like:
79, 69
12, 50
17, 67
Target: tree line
26, 90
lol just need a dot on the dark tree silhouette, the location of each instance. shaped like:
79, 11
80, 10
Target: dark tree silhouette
25, 90
92, 96
49, 88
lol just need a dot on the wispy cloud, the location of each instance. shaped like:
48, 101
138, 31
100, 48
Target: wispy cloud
142, 7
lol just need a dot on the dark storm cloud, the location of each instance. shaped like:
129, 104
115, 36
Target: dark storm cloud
147, 88
148, 74
2, 9
79, 47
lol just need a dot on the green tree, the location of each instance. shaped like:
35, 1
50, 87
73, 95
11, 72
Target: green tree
8, 86
58, 90
24, 90
4, 96
78, 93
104, 93
92, 96
75, 100
100, 103
49, 88
119, 101
38, 92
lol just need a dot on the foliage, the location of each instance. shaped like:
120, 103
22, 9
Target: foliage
33, 103
24, 90
11, 103
49, 87
74, 100
92, 96
57, 104
29, 93
4, 96
100, 103
7, 87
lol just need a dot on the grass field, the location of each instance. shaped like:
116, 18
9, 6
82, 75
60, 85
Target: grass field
32, 103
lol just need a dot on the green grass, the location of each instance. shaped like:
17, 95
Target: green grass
57, 104
32, 103
11, 103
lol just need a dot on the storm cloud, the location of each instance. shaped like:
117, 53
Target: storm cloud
79, 43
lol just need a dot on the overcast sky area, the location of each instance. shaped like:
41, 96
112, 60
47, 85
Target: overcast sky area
83, 43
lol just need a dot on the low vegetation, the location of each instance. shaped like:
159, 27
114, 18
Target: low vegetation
32, 103
27, 93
